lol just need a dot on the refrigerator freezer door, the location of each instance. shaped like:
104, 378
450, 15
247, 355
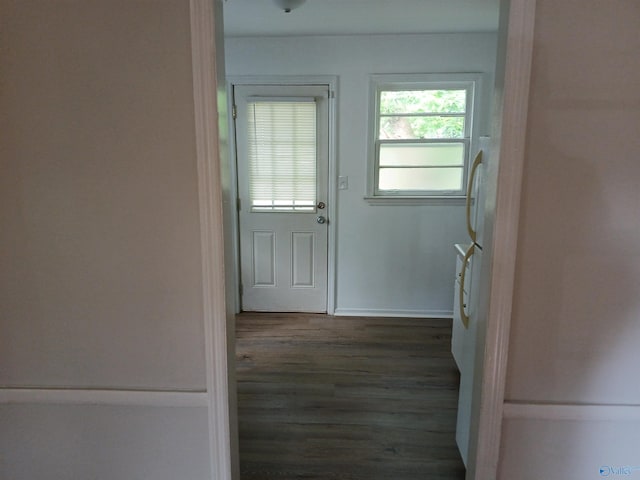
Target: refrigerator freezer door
475, 193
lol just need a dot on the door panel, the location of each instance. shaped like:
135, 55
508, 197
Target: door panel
282, 154
264, 259
302, 259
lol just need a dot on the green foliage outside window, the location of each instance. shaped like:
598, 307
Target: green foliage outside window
410, 114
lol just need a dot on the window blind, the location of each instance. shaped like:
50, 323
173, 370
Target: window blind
282, 143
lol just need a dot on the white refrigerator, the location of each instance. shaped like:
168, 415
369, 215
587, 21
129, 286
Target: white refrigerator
466, 288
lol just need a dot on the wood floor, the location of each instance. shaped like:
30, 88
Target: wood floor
346, 398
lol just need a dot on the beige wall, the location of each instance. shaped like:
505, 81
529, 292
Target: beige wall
100, 277
576, 305
100, 256
573, 399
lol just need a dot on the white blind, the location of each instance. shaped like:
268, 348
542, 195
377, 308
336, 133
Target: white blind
282, 155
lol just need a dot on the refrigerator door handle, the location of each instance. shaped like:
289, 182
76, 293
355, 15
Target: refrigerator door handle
463, 315
472, 177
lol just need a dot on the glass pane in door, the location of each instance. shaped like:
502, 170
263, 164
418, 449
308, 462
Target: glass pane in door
282, 150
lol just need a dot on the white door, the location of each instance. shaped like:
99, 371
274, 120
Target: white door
282, 153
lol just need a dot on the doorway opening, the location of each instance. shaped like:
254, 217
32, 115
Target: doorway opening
382, 306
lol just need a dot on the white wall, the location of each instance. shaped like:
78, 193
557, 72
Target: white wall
575, 328
390, 259
100, 258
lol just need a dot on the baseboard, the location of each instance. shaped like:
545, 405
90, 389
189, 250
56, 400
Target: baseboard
374, 312
570, 412
85, 396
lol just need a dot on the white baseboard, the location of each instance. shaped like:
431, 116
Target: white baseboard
374, 312
570, 412
80, 396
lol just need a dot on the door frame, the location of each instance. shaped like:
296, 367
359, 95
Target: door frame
331, 81
207, 47
515, 52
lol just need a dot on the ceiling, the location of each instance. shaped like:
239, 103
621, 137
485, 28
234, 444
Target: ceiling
354, 17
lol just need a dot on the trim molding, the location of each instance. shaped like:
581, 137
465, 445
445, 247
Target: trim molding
570, 412
207, 56
378, 312
90, 396
517, 50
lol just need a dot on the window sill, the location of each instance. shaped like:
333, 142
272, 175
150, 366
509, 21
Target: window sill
415, 201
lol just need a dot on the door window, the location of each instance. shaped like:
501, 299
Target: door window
282, 151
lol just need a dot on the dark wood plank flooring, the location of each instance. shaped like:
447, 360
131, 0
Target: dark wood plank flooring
346, 398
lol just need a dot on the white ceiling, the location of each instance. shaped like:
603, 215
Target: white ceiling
351, 17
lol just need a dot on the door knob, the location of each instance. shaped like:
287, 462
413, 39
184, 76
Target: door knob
321, 219
321, 205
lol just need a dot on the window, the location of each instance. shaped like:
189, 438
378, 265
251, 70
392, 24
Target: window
282, 154
421, 133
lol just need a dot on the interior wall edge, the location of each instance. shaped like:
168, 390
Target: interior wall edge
207, 55
91, 396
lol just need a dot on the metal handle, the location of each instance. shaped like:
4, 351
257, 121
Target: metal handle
321, 219
321, 205
463, 315
472, 175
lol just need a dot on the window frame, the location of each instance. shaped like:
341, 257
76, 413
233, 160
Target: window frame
471, 82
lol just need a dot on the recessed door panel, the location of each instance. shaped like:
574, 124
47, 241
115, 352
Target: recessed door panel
264, 259
302, 255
